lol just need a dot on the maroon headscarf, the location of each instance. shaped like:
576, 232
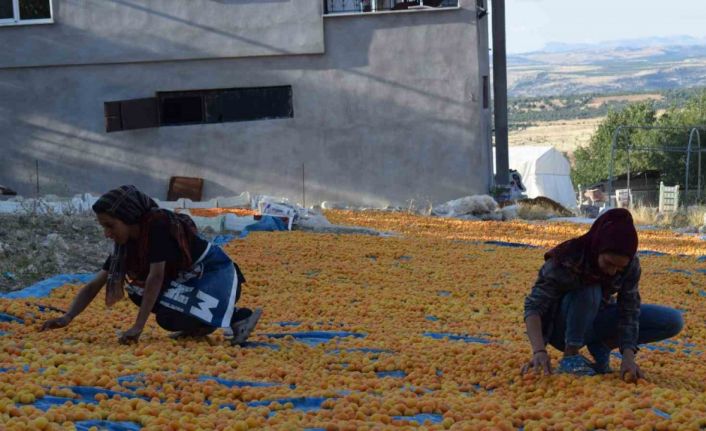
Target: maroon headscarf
613, 232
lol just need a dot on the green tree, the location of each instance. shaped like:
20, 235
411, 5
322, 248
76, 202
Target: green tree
593, 161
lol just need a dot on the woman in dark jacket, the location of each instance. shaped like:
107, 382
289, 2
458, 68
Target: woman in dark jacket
572, 302
190, 285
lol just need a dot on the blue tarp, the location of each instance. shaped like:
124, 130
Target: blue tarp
314, 338
285, 324
10, 318
44, 288
661, 413
510, 244
456, 337
222, 239
305, 404
679, 271
47, 402
255, 344
360, 350
107, 425
397, 374
86, 394
421, 418
265, 224
237, 383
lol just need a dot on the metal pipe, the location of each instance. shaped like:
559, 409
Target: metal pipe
629, 193
612, 160
502, 162
695, 131
686, 180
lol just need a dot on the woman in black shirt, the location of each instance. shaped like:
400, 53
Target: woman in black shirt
167, 268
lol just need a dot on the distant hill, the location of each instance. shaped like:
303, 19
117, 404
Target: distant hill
627, 66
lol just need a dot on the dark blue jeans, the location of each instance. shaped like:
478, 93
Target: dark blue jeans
581, 322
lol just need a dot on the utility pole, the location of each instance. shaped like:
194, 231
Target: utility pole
502, 162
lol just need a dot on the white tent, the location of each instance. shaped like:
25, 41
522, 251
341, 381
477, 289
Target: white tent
545, 172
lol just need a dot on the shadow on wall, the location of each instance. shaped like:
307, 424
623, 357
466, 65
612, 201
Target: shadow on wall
339, 97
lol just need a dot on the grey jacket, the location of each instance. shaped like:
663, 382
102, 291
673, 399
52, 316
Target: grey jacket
556, 279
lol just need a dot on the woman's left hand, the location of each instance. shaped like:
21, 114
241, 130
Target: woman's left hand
130, 336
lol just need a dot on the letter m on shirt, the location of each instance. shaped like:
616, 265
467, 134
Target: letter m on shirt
203, 311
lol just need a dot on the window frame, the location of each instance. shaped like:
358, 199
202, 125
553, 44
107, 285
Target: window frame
16, 20
374, 11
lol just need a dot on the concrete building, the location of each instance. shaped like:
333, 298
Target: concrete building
378, 107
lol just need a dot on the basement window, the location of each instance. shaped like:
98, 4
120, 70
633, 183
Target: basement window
179, 108
24, 12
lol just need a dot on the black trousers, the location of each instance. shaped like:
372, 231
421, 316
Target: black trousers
173, 321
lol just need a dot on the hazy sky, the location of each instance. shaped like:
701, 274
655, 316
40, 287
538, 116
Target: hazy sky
533, 23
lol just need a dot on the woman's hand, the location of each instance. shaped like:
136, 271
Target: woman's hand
540, 363
630, 371
131, 336
56, 323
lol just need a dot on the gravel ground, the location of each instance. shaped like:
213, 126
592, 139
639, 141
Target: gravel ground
36, 247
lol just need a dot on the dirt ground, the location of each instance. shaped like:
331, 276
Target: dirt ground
564, 135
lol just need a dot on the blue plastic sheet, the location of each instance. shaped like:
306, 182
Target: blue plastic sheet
222, 239
679, 271
421, 418
255, 345
132, 380
285, 324
25, 368
265, 224
85, 394
432, 318
44, 288
456, 337
89, 392
314, 338
107, 425
397, 374
304, 404
237, 383
510, 244
361, 350
660, 413
9, 318
48, 401
444, 293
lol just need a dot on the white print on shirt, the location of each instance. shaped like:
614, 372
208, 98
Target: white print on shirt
204, 309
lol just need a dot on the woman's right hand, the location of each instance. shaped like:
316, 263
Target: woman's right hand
540, 363
56, 323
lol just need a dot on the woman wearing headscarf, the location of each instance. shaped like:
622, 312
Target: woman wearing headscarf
190, 285
573, 304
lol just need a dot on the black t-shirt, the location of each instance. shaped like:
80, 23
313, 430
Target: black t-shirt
164, 248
